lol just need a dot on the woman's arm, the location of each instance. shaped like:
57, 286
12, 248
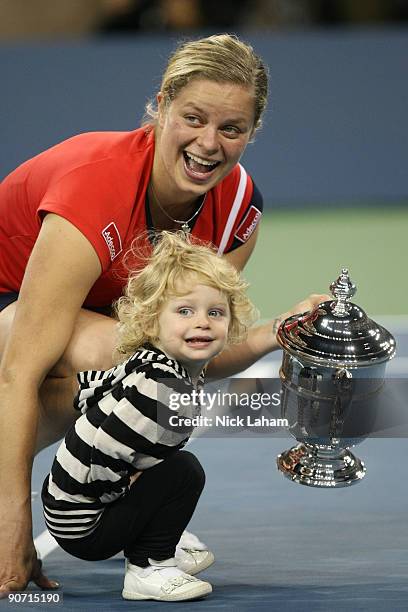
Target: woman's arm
240, 256
261, 341
62, 268
262, 338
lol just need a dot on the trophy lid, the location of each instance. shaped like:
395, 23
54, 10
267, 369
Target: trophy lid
337, 333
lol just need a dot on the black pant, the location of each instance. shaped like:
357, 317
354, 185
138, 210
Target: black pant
148, 521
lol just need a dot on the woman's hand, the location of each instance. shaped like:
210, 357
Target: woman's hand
261, 341
19, 565
309, 303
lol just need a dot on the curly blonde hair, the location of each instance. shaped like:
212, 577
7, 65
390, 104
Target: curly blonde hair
177, 258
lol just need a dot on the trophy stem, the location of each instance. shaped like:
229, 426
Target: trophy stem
319, 465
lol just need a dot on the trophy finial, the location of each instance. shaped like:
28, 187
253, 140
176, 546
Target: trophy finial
342, 290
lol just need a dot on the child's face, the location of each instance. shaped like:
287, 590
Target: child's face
193, 327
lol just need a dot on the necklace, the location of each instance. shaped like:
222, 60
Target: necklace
185, 225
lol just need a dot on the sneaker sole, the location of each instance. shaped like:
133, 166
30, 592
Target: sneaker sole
199, 593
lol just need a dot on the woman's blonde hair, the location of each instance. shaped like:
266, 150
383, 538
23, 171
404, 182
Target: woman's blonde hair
222, 58
175, 259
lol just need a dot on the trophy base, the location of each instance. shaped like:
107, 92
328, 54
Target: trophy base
317, 465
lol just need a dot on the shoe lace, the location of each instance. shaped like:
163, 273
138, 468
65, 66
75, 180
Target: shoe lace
177, 581
189, 550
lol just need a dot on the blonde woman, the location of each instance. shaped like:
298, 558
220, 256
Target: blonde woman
120, 481
68, 215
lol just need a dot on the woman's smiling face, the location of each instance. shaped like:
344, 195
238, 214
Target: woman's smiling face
201, 135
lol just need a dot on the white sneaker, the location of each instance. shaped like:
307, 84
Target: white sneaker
189, 540
162, 581
193, 561
192, 555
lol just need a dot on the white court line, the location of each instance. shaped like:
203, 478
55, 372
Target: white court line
398, 366
46, 544
397, 323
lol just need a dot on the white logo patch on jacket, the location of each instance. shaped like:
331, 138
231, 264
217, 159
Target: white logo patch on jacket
248, 225
112, 238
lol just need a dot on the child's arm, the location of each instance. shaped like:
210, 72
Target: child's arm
139, 429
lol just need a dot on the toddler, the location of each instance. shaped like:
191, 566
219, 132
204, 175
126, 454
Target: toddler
120, 481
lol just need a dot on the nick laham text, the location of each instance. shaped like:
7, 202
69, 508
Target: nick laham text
227, 421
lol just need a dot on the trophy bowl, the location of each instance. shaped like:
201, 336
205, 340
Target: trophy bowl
332, 375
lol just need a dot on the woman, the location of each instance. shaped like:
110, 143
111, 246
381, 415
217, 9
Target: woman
69, 215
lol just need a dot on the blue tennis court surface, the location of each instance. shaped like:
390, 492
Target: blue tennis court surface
278, 545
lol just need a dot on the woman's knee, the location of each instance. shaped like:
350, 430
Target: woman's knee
6, 320
91, 346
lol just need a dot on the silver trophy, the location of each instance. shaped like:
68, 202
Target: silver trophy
332, 374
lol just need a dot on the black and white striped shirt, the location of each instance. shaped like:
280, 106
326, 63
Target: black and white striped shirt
124, 427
